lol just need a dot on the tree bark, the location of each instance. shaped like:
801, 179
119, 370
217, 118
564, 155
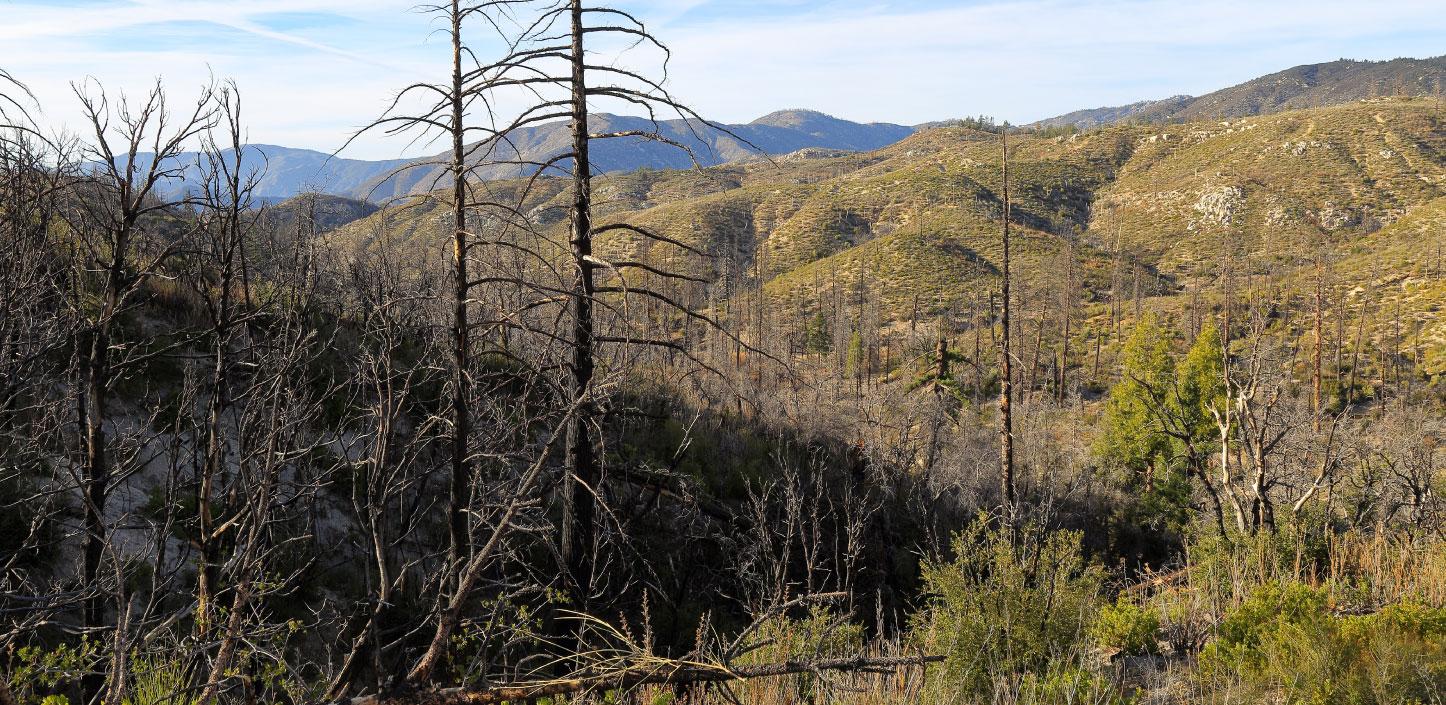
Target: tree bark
580, 460
461, 418
1006, 384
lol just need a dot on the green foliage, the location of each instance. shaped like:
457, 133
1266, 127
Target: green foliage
502, 623
1161, 409
952, 386
854, 363
156, 681
1153, 418
1133, 437
35, 671
1054, 131
1243, 635
819, 634
1201, 387
1069, 684
1127, 628
1285, 643
1002, 608
1225, 570
984, 123
817, 334
822, 633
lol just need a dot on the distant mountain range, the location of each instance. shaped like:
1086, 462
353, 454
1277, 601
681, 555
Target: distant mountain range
1308, 86
778, 133
290, 171
284, 172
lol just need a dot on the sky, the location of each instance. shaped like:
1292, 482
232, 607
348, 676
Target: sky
312, 71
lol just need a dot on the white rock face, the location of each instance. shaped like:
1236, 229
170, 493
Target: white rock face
1220, 205
1334, 218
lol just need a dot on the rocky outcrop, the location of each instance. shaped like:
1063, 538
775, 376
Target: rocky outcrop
1219, 206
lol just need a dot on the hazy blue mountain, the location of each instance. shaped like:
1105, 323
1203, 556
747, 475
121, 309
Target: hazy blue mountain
289, 172
777, 133
285, 172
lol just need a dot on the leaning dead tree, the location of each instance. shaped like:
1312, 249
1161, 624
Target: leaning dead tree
551, 62
558, 60
659, 673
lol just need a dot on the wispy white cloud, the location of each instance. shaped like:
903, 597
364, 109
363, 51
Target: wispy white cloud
299, 89
310, 84
1028, 59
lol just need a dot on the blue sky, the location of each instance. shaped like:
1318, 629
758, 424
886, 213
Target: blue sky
311, 71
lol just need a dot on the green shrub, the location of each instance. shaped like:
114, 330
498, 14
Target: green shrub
157, 681
819, 634
1127, 628
36, 673
1285, 644
1069, 685
1248, 629
1002, 609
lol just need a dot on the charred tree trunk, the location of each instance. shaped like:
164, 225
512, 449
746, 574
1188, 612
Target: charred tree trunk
580, 460
1006, 384
1319, 350
95, 369
461, 381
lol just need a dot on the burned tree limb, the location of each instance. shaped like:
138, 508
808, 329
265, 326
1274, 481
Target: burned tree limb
669, 673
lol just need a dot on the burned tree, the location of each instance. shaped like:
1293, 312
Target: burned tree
1006, 374
121, 249
225, 219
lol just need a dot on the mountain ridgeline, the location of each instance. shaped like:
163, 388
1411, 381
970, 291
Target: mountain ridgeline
777, 133
286, 172
1307, 86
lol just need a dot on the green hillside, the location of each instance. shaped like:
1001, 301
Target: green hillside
1269, 186
1362, 184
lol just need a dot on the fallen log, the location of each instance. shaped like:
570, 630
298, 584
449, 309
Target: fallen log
1157, 580
678, 674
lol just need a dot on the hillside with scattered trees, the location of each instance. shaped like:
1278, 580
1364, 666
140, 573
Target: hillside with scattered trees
1143, 413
